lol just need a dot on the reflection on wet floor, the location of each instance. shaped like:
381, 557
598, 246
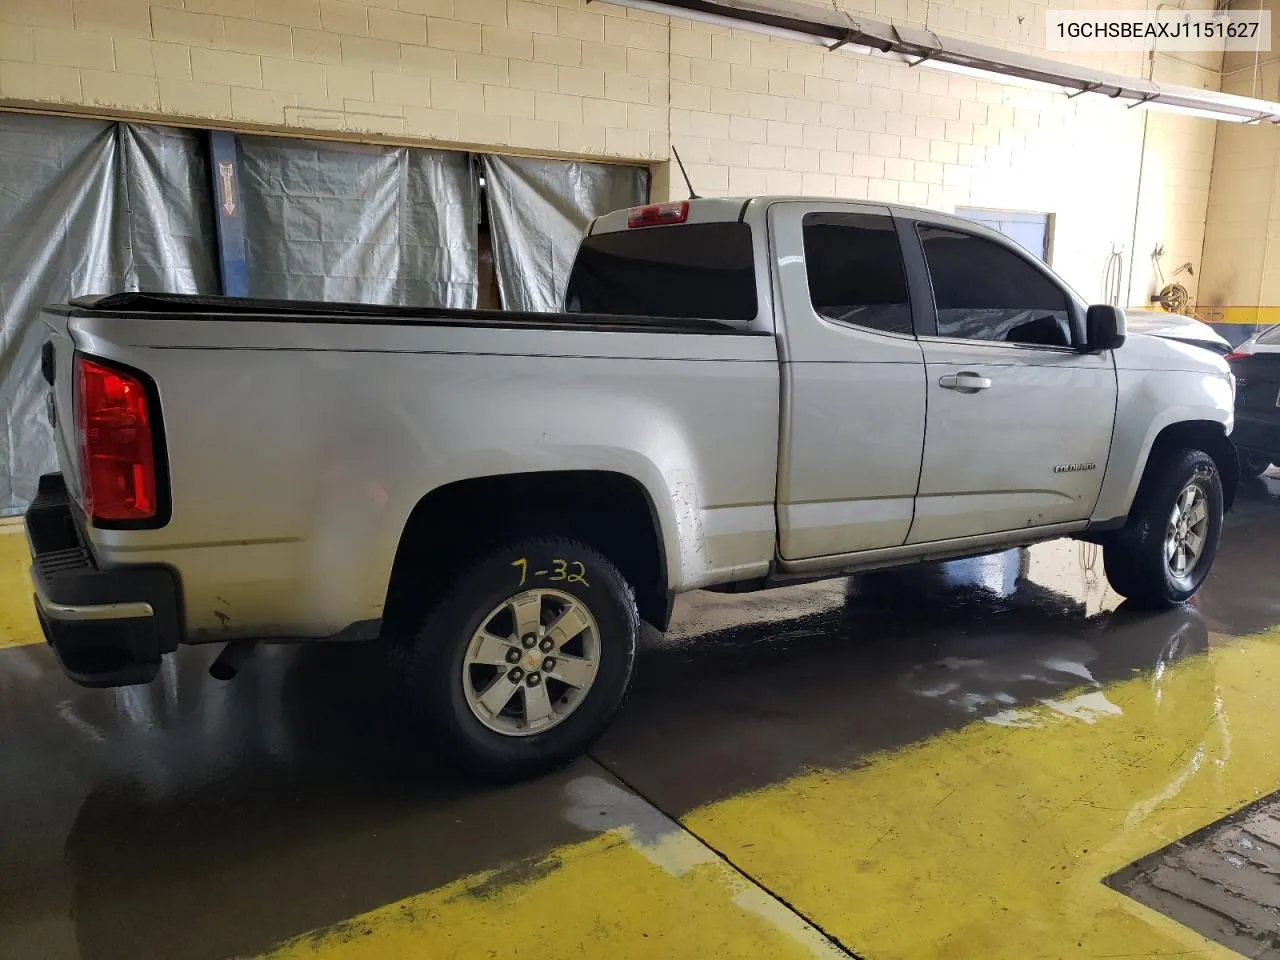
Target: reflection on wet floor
292, 798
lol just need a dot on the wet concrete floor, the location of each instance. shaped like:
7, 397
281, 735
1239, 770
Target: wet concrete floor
193, 818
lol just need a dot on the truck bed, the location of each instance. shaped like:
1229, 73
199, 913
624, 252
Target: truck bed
297, 438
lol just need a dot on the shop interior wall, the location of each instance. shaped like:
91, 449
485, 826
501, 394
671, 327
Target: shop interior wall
750, 114
1241, 283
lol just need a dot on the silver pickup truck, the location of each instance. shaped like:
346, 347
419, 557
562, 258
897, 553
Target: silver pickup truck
739, 393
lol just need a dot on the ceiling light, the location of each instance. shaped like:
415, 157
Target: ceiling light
991, 76
903, 44
1203, 113
716, 20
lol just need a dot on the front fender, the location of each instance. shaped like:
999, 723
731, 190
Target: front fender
1149, 402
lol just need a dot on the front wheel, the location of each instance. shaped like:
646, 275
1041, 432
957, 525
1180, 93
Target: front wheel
1165, 550
525, 660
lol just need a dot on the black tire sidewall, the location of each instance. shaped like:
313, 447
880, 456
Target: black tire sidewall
1152, 574
442, 642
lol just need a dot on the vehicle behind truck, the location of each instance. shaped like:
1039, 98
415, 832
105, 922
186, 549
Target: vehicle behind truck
738, 394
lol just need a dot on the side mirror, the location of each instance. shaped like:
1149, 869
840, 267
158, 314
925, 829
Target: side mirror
1104, 328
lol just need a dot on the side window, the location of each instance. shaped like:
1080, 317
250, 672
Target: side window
984, 291
855, 270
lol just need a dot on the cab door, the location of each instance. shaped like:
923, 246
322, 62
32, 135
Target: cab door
1020, 422
853, 383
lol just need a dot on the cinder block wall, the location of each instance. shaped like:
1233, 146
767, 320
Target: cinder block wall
749, 114
1242, 236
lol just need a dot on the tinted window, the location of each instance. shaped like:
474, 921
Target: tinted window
985, 291
855, 270
692, 270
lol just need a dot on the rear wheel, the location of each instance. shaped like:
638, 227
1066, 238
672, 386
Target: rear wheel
1167, 547
525, 660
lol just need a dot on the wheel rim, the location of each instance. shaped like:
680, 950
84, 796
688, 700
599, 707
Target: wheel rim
531, 662
1188, 530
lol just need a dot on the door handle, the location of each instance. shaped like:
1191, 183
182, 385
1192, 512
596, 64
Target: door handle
965, 382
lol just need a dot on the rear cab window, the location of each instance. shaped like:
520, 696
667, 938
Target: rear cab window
854, 265
703, 271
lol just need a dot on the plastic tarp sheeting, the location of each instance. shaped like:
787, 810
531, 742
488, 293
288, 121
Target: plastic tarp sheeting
168, 211
538, 211
351, 222
86, 207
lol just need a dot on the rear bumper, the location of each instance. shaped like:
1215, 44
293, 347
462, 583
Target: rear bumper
1257, 433
108, 628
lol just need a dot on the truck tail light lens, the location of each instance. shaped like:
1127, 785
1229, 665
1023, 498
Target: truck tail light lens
658, 214
116, 443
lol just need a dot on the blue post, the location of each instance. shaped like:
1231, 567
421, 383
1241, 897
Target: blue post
230, 212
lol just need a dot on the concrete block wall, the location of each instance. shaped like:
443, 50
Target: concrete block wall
1241, 282
749, 114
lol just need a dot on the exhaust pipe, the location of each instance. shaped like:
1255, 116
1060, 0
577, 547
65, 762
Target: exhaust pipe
228, 663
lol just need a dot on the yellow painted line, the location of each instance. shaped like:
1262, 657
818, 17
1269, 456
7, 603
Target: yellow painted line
628, 894
18, 624
1262, 316
993, 841
988, 842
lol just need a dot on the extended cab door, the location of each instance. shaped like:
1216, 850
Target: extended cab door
1020, 422
852, 380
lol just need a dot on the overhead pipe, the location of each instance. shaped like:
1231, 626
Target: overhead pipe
837, 30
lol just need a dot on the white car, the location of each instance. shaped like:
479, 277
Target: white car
739, 393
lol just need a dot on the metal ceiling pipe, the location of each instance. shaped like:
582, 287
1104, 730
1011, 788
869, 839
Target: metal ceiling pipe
839, 31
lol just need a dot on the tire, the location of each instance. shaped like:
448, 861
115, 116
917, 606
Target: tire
1253, 464
1137, 559
516, 740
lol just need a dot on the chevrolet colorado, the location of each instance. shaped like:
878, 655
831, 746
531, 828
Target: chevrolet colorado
738, 393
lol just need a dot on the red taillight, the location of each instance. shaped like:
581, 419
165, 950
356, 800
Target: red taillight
117, 449
658, 214
1234, 355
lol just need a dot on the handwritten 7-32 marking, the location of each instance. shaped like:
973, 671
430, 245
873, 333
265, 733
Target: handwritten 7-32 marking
568, 571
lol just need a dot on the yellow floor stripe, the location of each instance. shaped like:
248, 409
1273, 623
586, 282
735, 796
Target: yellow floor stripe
618, 896
993, 841
18, 623
988, 842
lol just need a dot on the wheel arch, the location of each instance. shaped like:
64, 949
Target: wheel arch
454, 523
1209, 436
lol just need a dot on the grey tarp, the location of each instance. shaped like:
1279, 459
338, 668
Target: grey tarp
538, 210
168, 211
329, 221
86, 206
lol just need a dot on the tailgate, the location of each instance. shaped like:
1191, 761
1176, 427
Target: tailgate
1257, 382
57, 366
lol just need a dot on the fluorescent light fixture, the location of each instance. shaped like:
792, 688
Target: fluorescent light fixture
1203, 113
992, 76
751, 26
913, 47
716, 20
